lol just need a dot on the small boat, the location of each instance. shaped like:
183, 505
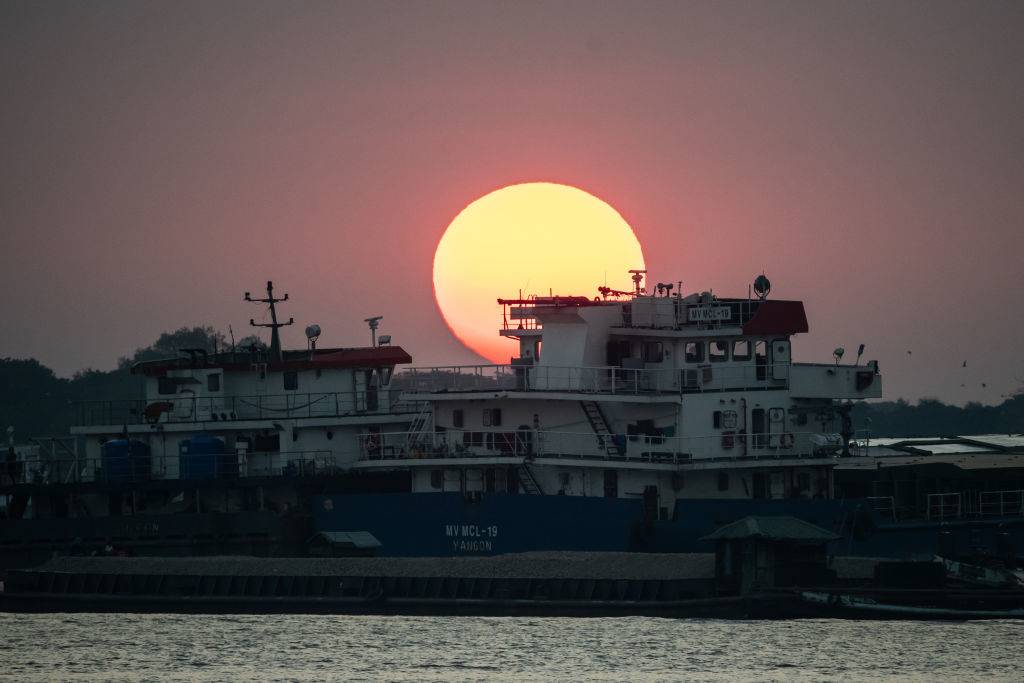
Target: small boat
839, 604
981, 575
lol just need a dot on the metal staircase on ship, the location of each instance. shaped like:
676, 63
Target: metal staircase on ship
599, 423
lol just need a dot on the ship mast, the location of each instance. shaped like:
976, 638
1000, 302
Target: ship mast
275, 338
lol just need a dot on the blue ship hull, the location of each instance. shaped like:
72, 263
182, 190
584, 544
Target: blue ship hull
442, 524
451, 524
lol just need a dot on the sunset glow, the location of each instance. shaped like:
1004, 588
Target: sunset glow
534, 237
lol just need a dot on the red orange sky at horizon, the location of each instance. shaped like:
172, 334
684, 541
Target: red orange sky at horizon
161, 159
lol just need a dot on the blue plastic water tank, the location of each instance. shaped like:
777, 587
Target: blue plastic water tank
124, 460
202, 457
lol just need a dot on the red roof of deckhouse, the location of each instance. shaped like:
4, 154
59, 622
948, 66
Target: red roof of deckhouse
242, 361
777, 317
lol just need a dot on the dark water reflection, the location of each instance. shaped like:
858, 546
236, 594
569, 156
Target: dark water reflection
135, 648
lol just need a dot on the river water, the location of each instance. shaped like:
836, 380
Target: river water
135, 648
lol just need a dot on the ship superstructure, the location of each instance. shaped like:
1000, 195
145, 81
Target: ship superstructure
658, 397
220, 454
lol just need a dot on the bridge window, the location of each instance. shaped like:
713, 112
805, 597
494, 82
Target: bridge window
213, 382
718, 351
652, 352
166, 385
761, 359
291, 380
694, 352
492, 417
741, 349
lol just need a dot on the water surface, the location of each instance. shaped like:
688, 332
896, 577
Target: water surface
204, 649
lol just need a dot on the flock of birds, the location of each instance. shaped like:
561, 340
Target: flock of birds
984, 385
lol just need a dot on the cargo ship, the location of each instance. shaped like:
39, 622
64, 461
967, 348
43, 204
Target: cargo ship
628, 421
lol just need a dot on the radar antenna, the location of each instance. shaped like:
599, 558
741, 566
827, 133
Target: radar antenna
275, 338
373, 323
638, 278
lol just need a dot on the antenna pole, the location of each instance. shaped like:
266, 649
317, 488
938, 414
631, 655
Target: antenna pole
275, 338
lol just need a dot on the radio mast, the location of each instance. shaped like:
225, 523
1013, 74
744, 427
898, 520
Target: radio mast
275, 338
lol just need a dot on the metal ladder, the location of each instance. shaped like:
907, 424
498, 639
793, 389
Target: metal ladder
528, 481
600, 426
418, 427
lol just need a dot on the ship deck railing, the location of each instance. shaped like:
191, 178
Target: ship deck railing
693, 378
950, 506
194, 409
43, 470
455, 443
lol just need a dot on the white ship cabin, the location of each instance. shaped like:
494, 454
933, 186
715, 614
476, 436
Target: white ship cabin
636, 394
302, 411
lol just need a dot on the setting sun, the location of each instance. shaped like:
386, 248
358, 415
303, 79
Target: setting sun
534, 237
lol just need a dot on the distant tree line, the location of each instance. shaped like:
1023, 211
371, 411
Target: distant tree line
931, 417
36, 402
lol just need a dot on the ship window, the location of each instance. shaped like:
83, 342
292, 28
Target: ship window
741, 349
611, 484
492, 417
457, 419
652, 352
718, 351
761, 359
436, 479
213, 382
166, 385
803, 481
759, 427
694, 352
291, 380
723, 481
716, 419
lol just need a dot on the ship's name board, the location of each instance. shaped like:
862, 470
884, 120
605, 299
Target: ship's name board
471, 538
703, 314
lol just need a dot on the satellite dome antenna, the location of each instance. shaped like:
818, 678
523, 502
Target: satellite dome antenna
762, 285
312, 334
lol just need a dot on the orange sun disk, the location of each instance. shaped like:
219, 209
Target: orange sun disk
533, 237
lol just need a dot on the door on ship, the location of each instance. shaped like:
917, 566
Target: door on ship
781, 359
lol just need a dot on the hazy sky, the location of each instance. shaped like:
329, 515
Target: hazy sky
158, 159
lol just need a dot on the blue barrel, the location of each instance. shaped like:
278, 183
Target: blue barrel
202, 457
124, 460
